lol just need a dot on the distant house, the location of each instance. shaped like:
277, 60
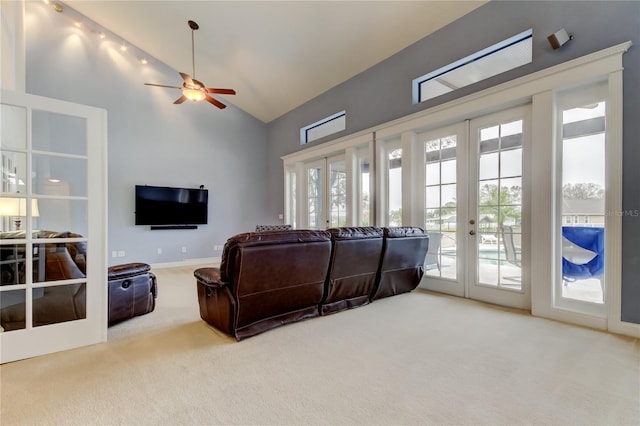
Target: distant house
583, 212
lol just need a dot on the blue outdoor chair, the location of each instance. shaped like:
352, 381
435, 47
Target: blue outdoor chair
590, 239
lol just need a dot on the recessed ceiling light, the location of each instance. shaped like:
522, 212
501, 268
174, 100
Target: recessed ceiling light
58, 7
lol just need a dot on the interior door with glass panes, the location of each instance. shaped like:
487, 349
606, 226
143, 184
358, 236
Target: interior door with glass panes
497, 225
53, 264
326, 193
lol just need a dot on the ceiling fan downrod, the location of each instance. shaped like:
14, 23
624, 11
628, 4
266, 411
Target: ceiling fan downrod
194, 26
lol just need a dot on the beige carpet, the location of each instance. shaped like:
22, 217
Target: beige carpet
418, 358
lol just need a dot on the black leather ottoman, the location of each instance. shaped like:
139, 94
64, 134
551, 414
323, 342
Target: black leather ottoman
132, 291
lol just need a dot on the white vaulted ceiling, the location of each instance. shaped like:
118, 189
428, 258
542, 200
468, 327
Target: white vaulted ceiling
275, 54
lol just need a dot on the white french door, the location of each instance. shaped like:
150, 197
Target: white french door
476, 208
444, 176
498, 202
53, 293
325, 193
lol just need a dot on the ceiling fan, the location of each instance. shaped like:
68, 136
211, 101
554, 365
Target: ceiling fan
193, 89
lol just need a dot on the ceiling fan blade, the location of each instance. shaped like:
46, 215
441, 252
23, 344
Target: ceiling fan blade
187, 79
221, 91
215, 102
162, 85
198, 83
180, 100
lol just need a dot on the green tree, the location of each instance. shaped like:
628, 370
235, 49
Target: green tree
501, 204
582, 191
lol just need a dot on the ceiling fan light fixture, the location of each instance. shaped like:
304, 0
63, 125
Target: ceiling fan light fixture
194, 95
192, 89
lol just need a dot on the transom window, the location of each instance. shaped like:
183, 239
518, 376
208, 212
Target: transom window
325, 127
503, 56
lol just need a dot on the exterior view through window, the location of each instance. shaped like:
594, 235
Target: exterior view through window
440, 206
583, 208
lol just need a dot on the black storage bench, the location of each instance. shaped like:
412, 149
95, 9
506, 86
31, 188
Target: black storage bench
132, 291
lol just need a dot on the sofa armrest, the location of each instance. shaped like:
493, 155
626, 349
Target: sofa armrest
209, 277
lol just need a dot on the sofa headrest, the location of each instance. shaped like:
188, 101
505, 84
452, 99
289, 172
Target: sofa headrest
348, 233
249, 239
404, 232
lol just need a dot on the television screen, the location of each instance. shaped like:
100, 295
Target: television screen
157, 205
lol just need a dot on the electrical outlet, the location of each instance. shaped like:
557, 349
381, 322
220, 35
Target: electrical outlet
114, 254
184, 249
280, 216
120, 253
159, 250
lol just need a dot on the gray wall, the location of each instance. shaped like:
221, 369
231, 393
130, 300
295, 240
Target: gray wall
150, 140
383, 92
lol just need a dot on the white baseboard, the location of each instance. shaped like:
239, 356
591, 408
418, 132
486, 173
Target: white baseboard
626, 328
211, 261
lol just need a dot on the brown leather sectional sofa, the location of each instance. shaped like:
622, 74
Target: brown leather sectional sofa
269, 279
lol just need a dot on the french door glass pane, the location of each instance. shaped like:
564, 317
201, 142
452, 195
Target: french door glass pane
583, 209
59, 303
440, 206
314, 197
58, 175
14, 172
13, 136
500, 205
395, 188
292, 181
337, 194
53, 132
364, 195
13, 310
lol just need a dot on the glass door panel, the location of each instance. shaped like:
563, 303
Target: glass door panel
363, 196
441, 206
394, 186
496, 205
442, 153
337, 194
315, 193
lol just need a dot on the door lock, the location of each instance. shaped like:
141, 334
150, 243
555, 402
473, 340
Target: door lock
472, 232
472, 222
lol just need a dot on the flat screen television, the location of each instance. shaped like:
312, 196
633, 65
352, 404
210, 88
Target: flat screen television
166, 206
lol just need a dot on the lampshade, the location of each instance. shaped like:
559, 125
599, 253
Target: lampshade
194, 94
17, 207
